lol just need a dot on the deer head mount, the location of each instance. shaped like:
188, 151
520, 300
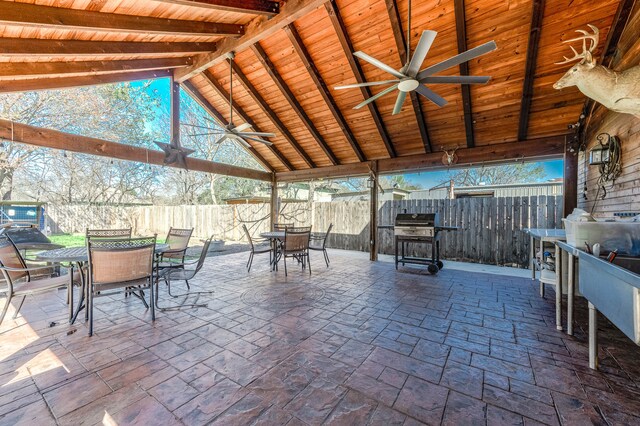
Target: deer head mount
618, 91
449, 157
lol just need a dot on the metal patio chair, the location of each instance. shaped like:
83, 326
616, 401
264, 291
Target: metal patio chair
120, 265
108, 233
182, 272
296, 245
20, 280
257, 247
282, 226
178, 241
319, 243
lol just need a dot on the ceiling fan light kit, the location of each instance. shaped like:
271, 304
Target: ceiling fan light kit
409, 78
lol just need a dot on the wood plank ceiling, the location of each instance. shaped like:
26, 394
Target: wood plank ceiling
290, 55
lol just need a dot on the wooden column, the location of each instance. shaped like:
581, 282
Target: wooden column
570, 181
175, 112
274, 201
373, 217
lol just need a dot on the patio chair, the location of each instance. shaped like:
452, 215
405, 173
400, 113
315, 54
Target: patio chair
282, 226
108, 233
296, 245
178, 272
178, 241
319, 243
120, 264
20, 280
256, 248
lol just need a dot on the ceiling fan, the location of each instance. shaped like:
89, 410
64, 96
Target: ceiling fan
230, 131
409, 78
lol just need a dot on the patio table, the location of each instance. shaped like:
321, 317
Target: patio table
273, 237
78, 256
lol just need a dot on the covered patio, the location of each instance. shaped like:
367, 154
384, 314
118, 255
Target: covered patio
356, 343
359, 341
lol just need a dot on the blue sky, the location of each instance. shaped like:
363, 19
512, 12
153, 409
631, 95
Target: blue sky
553, 169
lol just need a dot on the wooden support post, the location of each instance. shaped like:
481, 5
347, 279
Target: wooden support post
175, 112
570, 182
274, 202
373, 217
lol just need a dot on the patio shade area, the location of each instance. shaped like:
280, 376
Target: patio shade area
356, 343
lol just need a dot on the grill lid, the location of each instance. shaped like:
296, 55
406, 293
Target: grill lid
416, 219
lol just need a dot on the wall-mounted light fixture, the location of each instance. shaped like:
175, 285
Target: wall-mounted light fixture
371, 182
601, 153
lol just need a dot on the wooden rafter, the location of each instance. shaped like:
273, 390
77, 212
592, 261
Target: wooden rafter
461, 36
543, 148
258, 29
57, 17
537, 13
217, 87
347, 47
264, 106
52, 69
195, 94
398, 35
293, 102
43, 47
32, 84
47, 138
304, 56
256, 7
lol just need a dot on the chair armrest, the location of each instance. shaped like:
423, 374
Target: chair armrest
35, 268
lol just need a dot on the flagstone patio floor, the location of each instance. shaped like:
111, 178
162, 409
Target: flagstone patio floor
352, 344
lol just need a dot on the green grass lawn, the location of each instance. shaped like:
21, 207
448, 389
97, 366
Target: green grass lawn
75, 240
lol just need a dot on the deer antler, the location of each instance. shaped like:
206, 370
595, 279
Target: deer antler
593, 38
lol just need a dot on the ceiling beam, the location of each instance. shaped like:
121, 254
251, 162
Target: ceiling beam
44, 47
33, 15
293, 102
304, 56
461, 35
537, 13
258, 99
254, 7
398, 35
17, 132
217, 87
534, 149
255, 31
33, 84
347, 47
195, 94
13, 70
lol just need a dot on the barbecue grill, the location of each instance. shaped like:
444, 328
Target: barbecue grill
419, 228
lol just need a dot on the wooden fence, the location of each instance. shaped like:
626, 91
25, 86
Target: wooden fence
490, 229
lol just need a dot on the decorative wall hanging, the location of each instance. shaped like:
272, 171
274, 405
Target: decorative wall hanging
618, 91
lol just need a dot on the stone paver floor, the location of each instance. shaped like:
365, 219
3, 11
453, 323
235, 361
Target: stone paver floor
355, 343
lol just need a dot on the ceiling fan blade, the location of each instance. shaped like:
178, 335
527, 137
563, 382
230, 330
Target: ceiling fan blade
206, 134
431, 95
426, 40
456, 79
458, 59
373, 83
242, 142
242, 127
258, 140
399, 101
376, 63
213, 129
223, 138
373, 98
263, 134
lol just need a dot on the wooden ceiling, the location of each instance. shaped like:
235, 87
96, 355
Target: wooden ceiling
290, 55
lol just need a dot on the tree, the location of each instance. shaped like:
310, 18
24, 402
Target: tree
497, 175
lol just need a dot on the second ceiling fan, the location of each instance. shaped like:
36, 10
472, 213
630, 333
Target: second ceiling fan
409, 78
230, 131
